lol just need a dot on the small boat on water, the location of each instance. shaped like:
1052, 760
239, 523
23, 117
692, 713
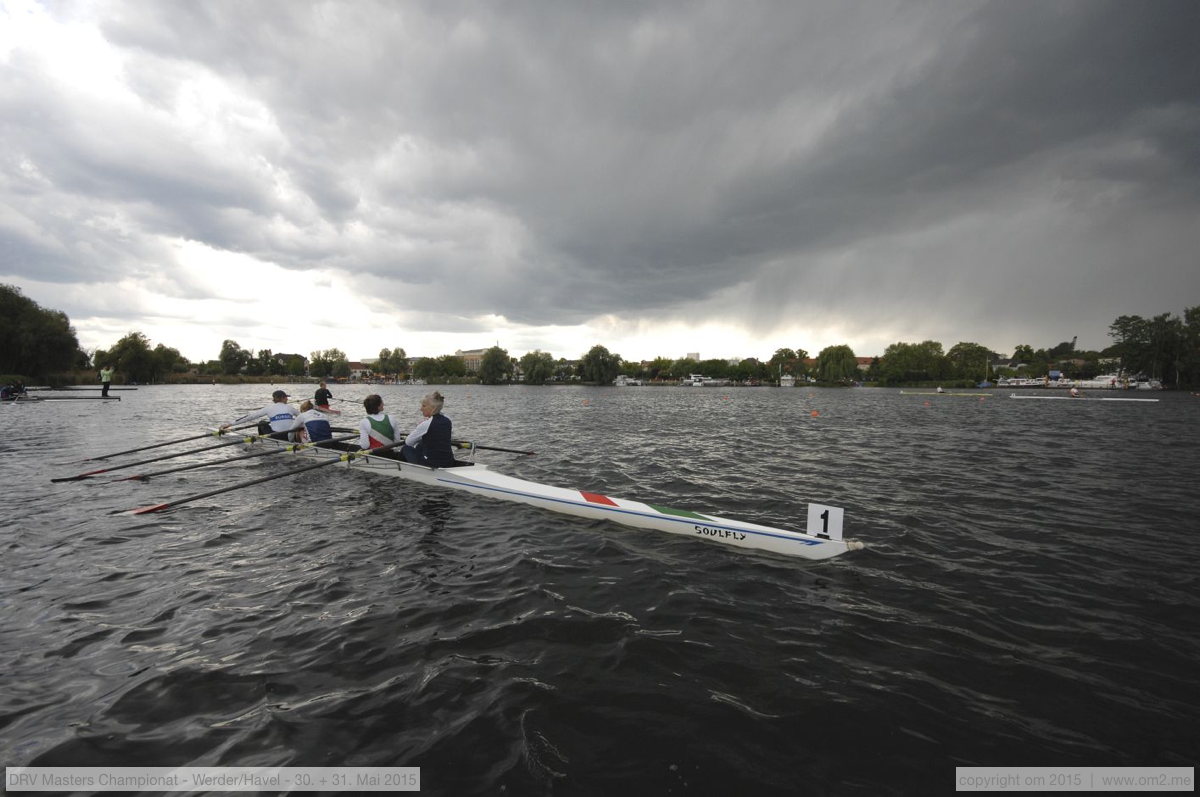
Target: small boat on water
942, 393
700, 380
27, 399
823, 538
1080, 398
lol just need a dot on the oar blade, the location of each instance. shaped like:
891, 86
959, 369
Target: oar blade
81, 476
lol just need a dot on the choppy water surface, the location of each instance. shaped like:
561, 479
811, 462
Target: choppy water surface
1028, 595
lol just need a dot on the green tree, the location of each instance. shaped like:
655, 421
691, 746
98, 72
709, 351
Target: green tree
599, 366
682, 367
260, 364
233, 357
495, 367
788, 361
449, 366
132, 358
904, 363
423, 368
330, 362
970, 361
537, 367
393, 362
564, 371
837, 364
1187, 365
783, 361
294, 365
716, 369
37, 341
659, 368
167, 361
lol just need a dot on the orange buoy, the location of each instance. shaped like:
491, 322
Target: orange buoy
815, 413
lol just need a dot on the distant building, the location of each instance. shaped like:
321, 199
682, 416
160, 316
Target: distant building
472, 359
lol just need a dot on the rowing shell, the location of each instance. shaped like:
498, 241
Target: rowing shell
943, 393
38, 399
479, 479
1078, 398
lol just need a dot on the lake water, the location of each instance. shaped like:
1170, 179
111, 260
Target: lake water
1027, 596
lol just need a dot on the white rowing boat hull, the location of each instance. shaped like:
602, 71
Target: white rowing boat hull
1078, 398
481, 480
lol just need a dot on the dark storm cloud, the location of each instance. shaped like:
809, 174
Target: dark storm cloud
550, 162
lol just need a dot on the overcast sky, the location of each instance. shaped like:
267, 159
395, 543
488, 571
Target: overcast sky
725, 178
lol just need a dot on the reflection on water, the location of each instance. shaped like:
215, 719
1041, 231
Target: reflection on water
1024, 596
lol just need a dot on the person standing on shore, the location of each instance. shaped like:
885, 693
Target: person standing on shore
106, 373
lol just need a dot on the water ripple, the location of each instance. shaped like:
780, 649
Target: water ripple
1024, 597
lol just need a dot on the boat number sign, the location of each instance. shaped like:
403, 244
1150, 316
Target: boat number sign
825, 521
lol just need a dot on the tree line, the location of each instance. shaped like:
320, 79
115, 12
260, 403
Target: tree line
41, 342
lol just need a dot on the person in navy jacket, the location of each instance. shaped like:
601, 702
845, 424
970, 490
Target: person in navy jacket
429, 443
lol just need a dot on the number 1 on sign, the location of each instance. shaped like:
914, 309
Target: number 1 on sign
825, 521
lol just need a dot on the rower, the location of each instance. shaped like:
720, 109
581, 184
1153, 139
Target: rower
312, 424
279, 416
429, 443
322, 396
377, 430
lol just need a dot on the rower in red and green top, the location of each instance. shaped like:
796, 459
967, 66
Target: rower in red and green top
429, 443
279, 416
376, 430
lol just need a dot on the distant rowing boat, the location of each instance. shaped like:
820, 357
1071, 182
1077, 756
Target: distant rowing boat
1079, 398
935, 393
38, 399
824, 522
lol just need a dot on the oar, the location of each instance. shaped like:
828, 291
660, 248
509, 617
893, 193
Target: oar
466, 444
168, 443
157, 459
193, 466
346, 457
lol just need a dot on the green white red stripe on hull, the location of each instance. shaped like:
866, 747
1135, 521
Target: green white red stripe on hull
480, 479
